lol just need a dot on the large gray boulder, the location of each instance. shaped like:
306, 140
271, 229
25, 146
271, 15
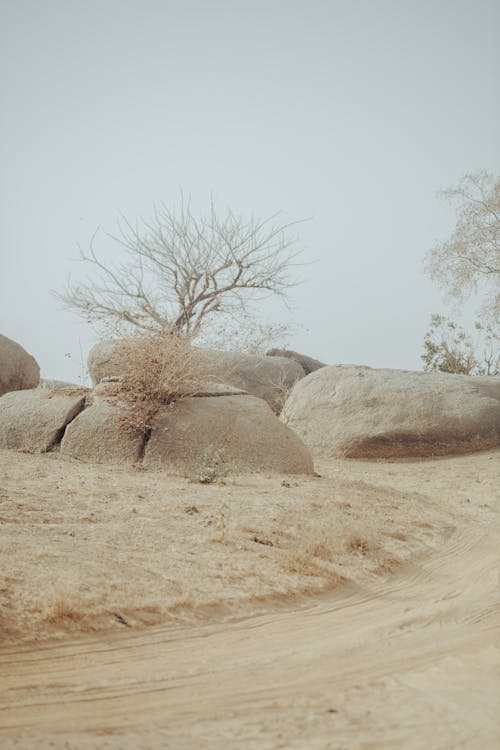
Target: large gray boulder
240, 432
353, 411
18, 369
308, 364
34, 421
269, 378
98, 435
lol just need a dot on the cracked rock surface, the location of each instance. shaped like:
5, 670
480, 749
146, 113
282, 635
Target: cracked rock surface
35, 420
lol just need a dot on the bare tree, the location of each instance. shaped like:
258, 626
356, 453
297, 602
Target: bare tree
469, 261
179, 270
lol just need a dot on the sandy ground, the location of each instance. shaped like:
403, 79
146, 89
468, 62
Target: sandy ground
358, 609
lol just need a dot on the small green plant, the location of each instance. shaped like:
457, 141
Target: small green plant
209, 467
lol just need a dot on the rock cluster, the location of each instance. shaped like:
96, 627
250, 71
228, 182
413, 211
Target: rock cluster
356, 412
308, 364
237, 431
343, 410
269, 378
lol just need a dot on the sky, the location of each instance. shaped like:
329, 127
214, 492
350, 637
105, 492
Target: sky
350, 113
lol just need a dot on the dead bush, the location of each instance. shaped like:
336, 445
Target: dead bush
314, 550
161, 369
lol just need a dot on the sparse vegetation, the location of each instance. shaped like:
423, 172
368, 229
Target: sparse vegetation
160, 370
449, 348
282, 387
314, 548
166, 549
468, 263
62, 610
301, 561
210, 466
245, 333
359, 545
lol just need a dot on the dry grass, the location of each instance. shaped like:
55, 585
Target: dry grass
303, 562
313, 548
282, 389
223, 523
359, 545
400, 536
62, 610
387, 565
174, 549
160, 370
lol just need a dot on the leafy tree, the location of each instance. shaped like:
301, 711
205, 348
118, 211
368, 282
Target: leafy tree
468, 262
449, 348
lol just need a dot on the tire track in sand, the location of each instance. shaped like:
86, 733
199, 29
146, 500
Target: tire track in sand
439, 616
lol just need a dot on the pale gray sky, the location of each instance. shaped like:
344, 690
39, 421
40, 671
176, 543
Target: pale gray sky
352, 112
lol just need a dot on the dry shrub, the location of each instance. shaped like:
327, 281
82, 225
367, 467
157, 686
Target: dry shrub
302, 562
314, 548
387, 565
359, 545
282, 389
61, 610
161, 369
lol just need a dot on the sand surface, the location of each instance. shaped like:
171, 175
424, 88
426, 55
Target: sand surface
358, 609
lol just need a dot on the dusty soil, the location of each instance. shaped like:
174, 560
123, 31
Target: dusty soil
359, 609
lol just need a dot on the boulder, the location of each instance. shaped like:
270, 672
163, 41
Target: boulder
97, 436
108, 359
269, 378
34, 421
357, 412
18, 369
110, 388
239, 432
308, 364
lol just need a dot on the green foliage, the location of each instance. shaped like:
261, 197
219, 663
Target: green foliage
449, 348
209, 467
468, 262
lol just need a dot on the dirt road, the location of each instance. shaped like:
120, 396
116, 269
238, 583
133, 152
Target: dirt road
409, 663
